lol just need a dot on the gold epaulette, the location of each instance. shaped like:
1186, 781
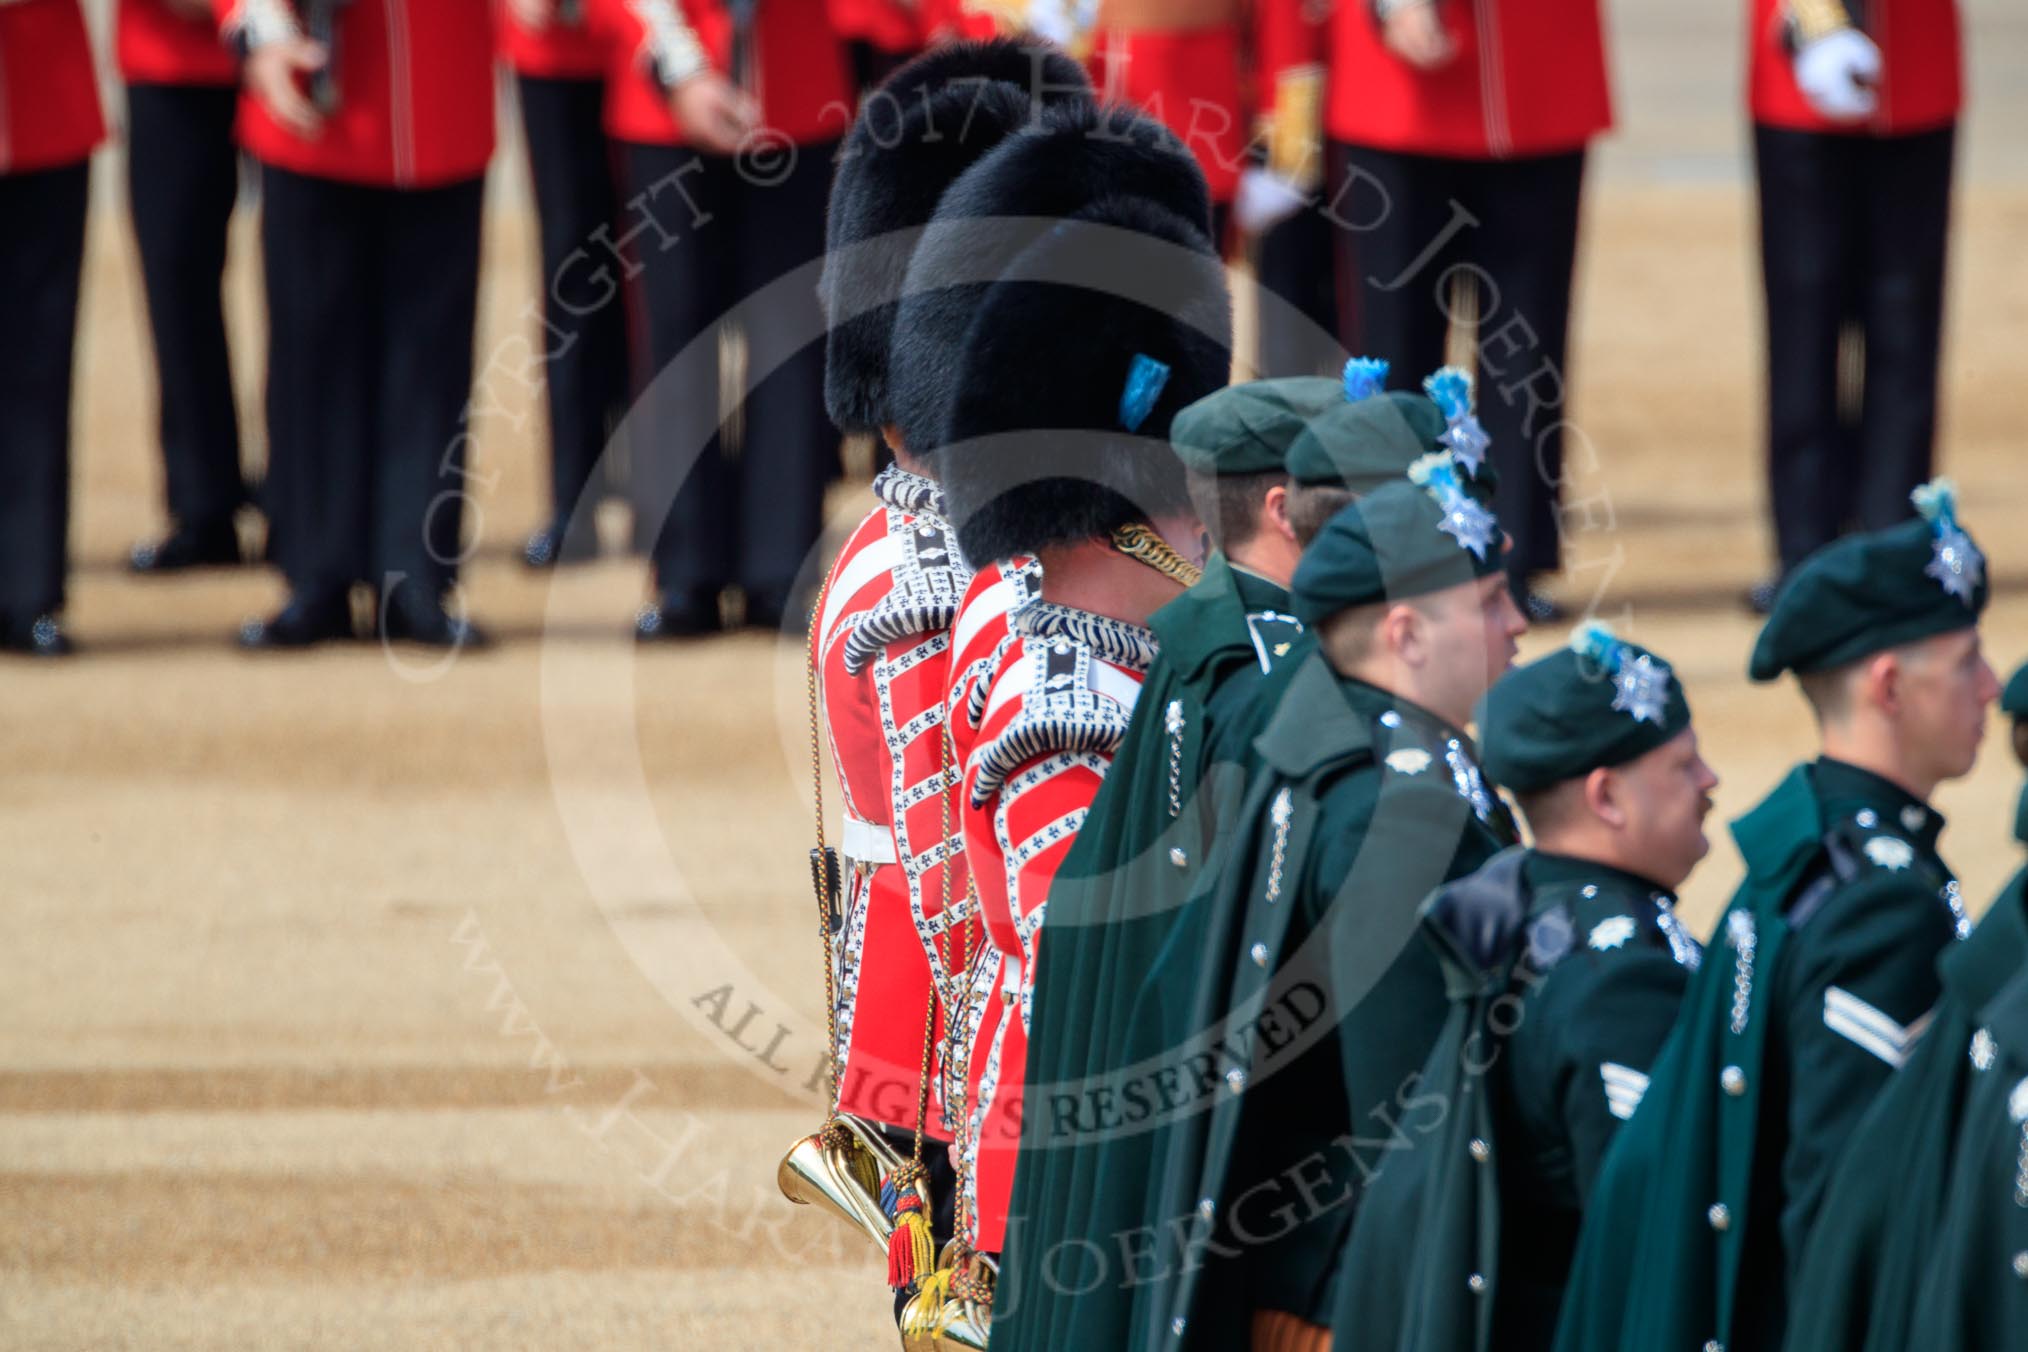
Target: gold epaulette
1295, 127
1816, 18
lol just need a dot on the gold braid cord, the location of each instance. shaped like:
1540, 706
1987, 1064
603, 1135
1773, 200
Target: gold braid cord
823, 866
1141, 544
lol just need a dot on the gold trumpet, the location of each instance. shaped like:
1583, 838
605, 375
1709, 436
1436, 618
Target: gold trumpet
839, 1170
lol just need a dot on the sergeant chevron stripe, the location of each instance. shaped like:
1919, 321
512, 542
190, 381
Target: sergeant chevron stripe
1624, 1088
1848, 1016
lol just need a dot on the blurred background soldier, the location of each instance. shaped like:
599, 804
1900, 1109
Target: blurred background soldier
1854, 121
373, 123
49, 123
729, 117
1458, 137
182, 180
559, 65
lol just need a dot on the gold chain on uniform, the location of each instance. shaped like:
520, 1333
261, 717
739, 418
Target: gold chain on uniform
823, 877
1142, 544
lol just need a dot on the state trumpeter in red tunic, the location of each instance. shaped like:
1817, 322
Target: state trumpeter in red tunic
1056, 711
884, 638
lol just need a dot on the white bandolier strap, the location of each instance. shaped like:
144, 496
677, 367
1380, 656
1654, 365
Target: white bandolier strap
670, 49
1870, 1028
1624, 1088
865, 842
256, 23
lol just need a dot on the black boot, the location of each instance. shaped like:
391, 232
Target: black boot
213, 545
301, 622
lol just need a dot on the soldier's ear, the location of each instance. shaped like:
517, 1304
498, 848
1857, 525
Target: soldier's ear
1274, 514
1604, 797
1879, 682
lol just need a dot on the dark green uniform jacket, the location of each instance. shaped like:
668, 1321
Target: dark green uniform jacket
1295, 1006
1565, 977
1975, 1296
1813, 990
1879, 1223
1083, 1169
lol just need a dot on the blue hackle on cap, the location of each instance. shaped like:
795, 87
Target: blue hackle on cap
1937, 501
1145, 381
1437, 472
1451, 388
1364, 378
1597, 645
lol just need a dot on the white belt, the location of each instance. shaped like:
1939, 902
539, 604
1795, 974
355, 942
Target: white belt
865, 843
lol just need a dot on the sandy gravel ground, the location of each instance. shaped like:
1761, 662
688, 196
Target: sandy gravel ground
349, 1002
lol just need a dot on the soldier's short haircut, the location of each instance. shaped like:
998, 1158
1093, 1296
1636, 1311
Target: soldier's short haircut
1548, 810
1231, 505
1311, 505
1829, 692
1347, 637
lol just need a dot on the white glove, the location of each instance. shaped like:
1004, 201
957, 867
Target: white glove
1837, 72
1265, 199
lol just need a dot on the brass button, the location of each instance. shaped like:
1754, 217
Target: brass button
1259, 955
1235, 1079
1477, 1284
1480, 1150
1720, 1216
1205, 1208
2021, 1265
1732, 1080
1178, 857
1176, 1326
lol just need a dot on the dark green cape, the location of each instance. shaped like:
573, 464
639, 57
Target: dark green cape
1879, 1223
1113, 903
1695, 1226
1294, 1003
1565, 978
1974, 1297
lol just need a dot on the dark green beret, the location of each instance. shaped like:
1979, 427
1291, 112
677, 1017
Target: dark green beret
1597, 702
2014, 699
1400, 541
1363, 445
1246, 429
1867, 593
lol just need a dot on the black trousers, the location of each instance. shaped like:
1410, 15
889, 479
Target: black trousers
711, 235
585, 320
372, 294
1299, 315
182, 179
42, 224
1411, 226
1852, 232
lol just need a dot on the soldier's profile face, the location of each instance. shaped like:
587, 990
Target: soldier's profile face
1664, 797
1470, 631
1942, 690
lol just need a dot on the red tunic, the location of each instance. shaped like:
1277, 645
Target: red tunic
1921, 85
1528, 78
160, 45
803, 81
1189, 81
884, 645
415, 94
562, 51
1056, 712
49, 92
890, 25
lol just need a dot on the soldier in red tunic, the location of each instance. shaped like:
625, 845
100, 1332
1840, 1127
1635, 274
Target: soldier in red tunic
884, 630
182, 180
1457, 136
559, 68
1055, 465
1854, 120
729, 118
373, 124
49, 124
